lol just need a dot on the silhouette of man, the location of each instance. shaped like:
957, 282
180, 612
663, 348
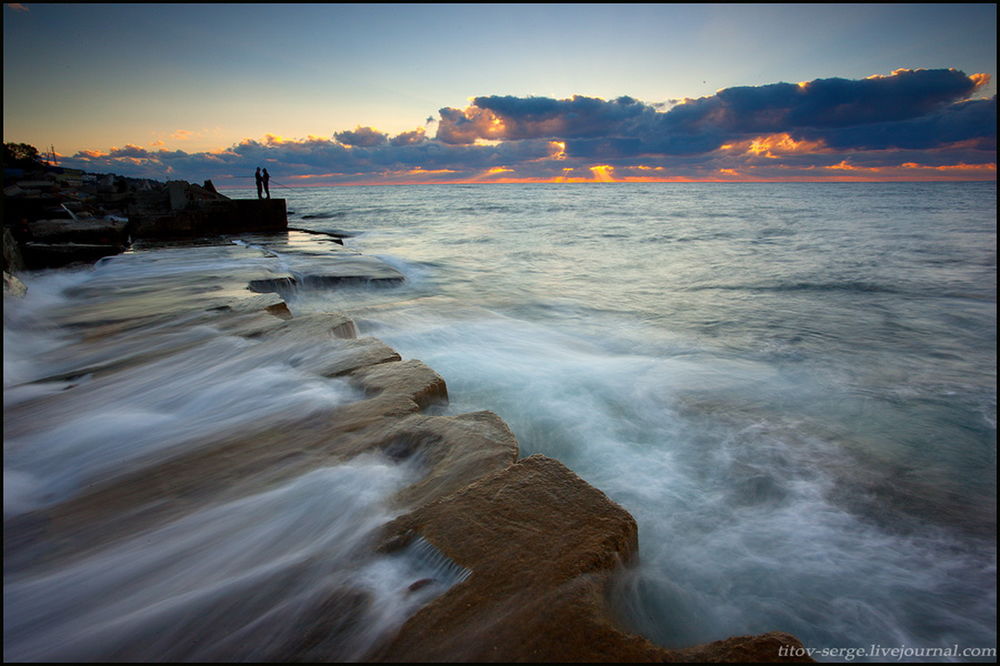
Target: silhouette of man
260, 183
267, 179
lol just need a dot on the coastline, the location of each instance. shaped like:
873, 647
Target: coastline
541, 544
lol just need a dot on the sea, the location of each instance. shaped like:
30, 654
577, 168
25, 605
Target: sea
791, 387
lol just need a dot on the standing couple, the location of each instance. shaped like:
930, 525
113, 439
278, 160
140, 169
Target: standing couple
262, 182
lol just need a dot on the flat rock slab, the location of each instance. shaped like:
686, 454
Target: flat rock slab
318, 261
81, 231
542, 545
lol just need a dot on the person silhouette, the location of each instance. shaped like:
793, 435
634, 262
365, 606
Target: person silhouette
267, 179
260, 183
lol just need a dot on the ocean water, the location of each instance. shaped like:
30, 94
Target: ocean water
791, 387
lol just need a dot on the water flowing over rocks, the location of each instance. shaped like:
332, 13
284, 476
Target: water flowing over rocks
522, 550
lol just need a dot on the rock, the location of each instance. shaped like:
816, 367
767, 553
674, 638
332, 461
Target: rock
410, 378
12, 259
353, 269
454, 450
106, 183
12, 286
308, 329
769, 647
177, 191
92, 231
542, 545
277, 285
55, 255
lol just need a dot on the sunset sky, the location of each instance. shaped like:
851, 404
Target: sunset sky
326, 94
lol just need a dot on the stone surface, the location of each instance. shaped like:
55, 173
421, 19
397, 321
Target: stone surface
749, 649
13, 286
542, 545
12, 259
57, 255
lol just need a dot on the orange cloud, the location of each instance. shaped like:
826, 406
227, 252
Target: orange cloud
274, 139
980, 79
774, 146
420, 171
984, 168
603, 173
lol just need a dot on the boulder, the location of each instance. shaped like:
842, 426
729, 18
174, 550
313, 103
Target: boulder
542, 545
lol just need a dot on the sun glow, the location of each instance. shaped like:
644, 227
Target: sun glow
602, 173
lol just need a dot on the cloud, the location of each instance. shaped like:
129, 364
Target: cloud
362, 136
972, 120
416, 136
507, 118
16, 6
821, 129
130, 150
597, 128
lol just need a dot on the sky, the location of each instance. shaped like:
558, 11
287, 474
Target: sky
341, 94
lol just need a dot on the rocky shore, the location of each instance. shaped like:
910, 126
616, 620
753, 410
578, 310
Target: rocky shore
539, 546
60, 216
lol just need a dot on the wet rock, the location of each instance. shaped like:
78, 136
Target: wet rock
765, 648
91, 231
277, 284
454, 451
13, 286
353, 269
316, 327
12, 259
410, 378
56, 255
542, 545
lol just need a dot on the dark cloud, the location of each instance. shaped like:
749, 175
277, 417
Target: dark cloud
129, 151
973, 120
627, 126
362, 136
409, 138
826, 126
